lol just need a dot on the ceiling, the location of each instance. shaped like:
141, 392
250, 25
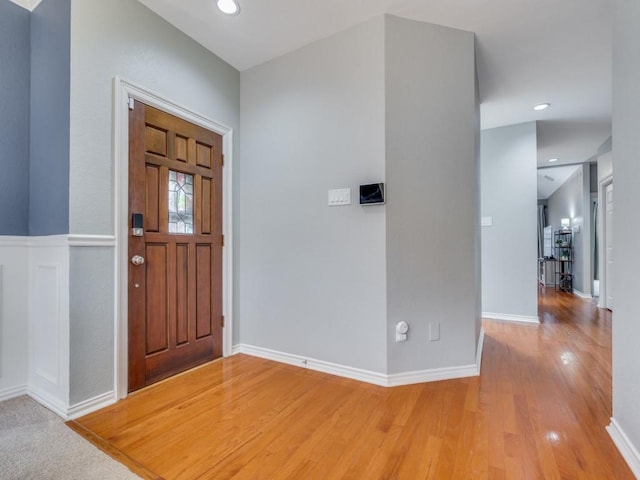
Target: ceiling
551, 179
529, 52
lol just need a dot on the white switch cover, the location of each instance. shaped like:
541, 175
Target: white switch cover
434, 332
341, 196
486, 221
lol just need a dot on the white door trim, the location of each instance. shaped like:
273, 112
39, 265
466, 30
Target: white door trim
123, 90
602, 239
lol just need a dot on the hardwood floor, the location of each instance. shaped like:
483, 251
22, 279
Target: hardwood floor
538, 411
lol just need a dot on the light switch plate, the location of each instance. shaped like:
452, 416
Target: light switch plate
434, 331
341, 196
486, 221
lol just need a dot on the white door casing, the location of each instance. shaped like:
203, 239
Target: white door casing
609, 246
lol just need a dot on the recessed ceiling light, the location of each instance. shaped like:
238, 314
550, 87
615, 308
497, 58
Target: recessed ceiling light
230, 7
553, 159
542, 106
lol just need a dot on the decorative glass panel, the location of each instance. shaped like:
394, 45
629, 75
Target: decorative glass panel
180, 202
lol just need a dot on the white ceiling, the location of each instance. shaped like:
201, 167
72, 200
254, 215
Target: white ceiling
529, 51
28, 4
550, 179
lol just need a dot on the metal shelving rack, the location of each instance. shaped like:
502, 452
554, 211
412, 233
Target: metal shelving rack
562, 240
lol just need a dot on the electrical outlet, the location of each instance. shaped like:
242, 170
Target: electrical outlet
434, 331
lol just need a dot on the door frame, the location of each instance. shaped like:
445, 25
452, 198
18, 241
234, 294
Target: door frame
123, 91
602, 239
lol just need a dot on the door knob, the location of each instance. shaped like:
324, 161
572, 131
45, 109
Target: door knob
137, 260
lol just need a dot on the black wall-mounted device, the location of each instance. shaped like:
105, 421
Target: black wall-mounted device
137, 224
372, 194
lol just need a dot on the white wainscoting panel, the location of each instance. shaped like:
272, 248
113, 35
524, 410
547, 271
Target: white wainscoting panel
2, 317
49, 321
14, 310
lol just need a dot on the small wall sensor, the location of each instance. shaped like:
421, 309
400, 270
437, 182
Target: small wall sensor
401, 331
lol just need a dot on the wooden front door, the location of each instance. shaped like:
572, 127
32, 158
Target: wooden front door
175, 267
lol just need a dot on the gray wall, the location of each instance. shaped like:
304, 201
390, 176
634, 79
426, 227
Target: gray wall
50, 95
312, 277
593, 177
509, 246
331, 282
14, 118
90, 274
432, 248
626, 145
569, 202
605, 166
121, 37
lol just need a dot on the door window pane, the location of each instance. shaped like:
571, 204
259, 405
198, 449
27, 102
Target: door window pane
180, 202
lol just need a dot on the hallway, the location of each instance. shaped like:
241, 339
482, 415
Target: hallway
538, 410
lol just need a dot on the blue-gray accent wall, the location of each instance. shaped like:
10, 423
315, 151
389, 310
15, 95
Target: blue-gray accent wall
50, 99
14, 118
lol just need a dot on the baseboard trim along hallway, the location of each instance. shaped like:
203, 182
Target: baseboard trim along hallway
375, 378
626, 448
12, 392
510, 318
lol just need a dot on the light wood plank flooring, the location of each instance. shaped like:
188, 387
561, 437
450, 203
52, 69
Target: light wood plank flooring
538, 411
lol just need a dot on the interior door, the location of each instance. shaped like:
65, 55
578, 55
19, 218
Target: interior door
175, 268
609, 246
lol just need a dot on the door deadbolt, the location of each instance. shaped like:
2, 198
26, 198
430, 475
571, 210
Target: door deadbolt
137, 224
137, 260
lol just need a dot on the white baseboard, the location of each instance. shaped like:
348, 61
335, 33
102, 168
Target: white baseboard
510, 318
313, 364
581, 294
479, 351
13, 392
375, 378
46, 400
431, 375
628, 451
91, 405
67, 413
